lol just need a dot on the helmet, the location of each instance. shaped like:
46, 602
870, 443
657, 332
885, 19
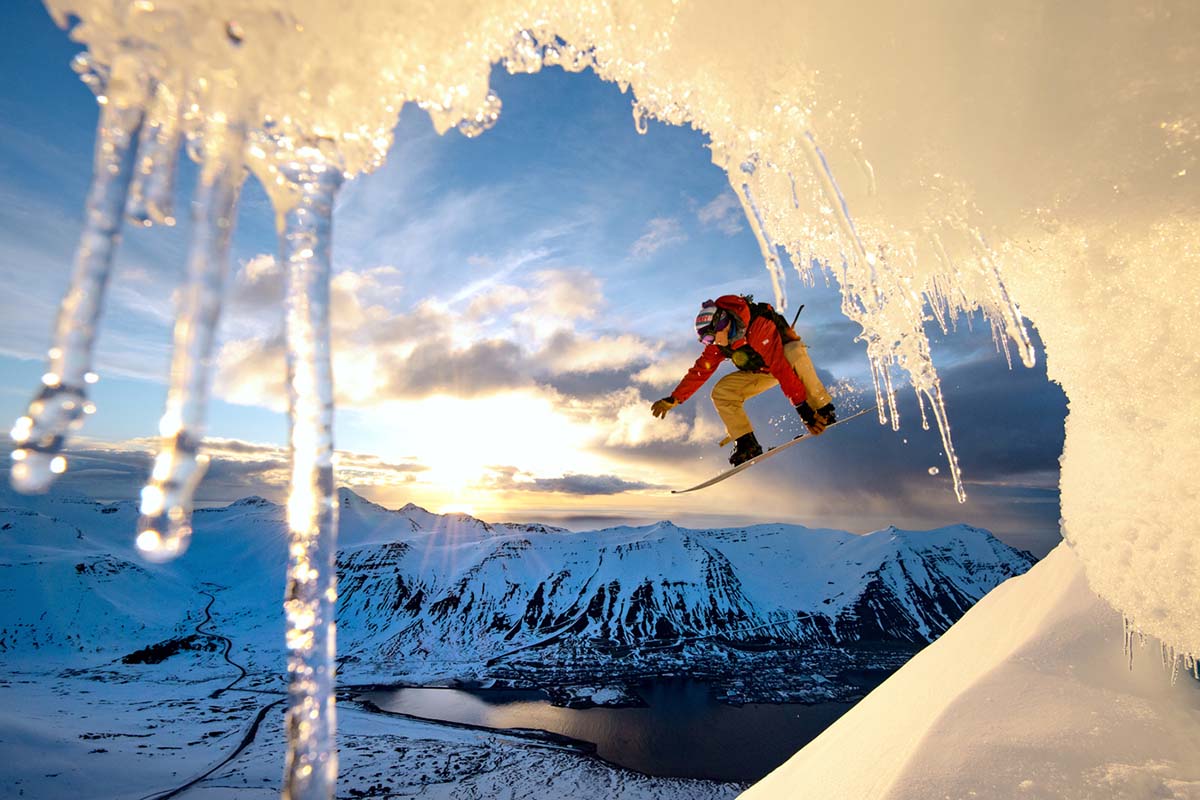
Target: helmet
710, 320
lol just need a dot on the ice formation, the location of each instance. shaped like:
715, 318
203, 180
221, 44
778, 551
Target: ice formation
935, 160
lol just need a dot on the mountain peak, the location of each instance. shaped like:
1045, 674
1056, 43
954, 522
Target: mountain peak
250, 502
348, 498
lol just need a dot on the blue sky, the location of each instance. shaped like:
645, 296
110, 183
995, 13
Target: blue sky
506, 307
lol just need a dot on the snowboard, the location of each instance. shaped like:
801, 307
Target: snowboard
767, 454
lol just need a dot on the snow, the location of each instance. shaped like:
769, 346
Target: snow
73, 579
1030, 158
76, 720
1044, 648
604, 696
1058, 178
140, 732
1028, 695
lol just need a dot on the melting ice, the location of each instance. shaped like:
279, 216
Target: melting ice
934, 160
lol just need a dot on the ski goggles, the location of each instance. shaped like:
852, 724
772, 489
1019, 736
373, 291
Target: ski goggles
708, 334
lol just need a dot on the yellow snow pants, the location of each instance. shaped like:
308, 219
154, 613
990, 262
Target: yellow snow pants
732, 391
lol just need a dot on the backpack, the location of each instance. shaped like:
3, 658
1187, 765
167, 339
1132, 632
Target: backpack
746, 358
786, 331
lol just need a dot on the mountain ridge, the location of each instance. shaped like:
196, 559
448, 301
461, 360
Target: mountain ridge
428, 598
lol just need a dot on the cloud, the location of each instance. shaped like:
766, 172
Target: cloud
723, 212
666, 373
512, 479
567, 353
438, 368
630, 423
558, 300
236, 469
382, 354
258, 285
660, 232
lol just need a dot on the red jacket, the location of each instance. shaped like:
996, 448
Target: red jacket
760, 335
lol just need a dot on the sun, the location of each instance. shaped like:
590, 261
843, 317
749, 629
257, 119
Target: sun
461, 440
457, 508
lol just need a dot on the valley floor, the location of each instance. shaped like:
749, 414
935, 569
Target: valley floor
138, 732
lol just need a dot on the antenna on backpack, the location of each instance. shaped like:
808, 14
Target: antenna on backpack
798, 310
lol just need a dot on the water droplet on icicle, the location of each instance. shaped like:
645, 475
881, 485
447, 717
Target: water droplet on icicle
641, 118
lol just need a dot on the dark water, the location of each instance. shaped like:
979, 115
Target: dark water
683, 733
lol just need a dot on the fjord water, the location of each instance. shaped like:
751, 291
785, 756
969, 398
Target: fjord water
682, 732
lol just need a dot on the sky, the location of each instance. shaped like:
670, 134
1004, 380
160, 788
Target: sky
505, 310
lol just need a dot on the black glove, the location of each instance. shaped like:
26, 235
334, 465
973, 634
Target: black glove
815, 423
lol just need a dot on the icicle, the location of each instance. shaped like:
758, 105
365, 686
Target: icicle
999, 340
890, 394
864, 164
938, 405
165, 525
880, 408
769, 252
833, 193
61, 401
151, 197
1015, 323
311, 770
1128, 630
1170, 660
934, 298
939, 248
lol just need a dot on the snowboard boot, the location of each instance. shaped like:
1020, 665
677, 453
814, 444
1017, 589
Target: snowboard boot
745, 448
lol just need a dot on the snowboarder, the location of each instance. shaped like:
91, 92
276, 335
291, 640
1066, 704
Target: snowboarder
767, 352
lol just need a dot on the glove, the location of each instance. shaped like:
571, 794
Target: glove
815, 423
660, 407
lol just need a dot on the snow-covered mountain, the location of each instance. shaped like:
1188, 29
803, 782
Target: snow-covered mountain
427, 596
473, 593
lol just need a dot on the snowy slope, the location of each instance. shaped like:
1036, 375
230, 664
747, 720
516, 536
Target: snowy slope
65, 590
1029, 695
